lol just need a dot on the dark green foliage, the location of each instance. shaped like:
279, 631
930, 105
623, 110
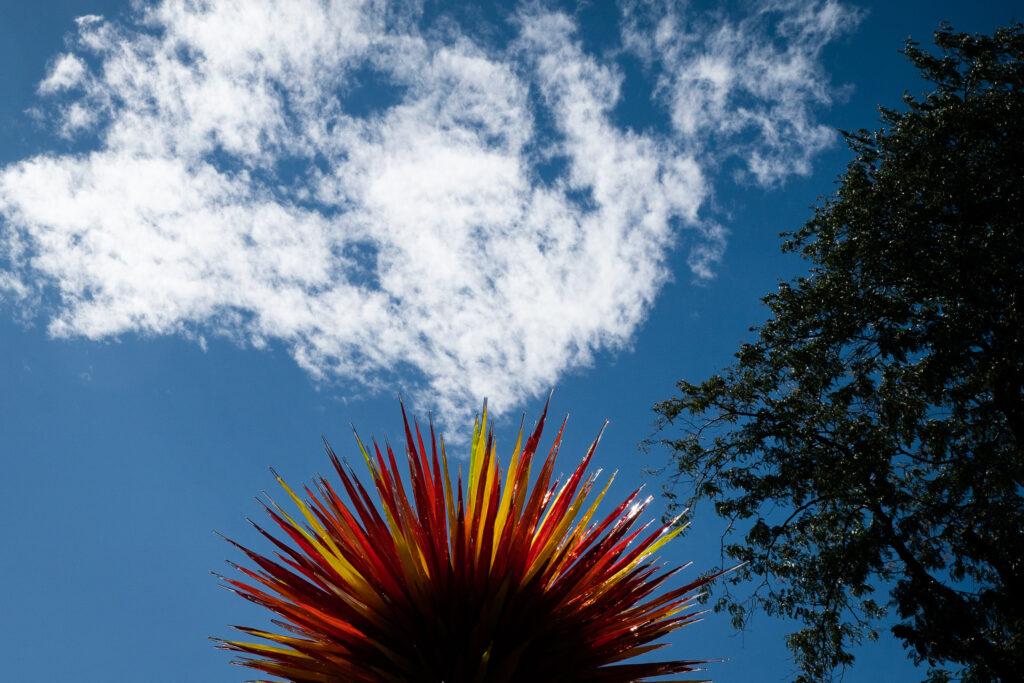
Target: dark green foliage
867, 444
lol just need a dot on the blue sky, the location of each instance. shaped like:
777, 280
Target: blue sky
227, 231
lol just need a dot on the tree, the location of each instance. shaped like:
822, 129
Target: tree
866, 446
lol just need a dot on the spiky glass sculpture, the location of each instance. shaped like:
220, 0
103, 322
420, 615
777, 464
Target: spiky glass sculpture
485, 581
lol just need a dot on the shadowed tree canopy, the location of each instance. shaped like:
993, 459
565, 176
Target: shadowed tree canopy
867, 444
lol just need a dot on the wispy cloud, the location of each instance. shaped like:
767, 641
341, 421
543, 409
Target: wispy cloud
485, 227
746, 86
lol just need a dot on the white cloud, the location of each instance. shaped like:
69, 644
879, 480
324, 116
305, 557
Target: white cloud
745, 87
66, 72
484, 230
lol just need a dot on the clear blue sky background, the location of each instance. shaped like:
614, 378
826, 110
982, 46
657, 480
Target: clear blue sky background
121, 457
